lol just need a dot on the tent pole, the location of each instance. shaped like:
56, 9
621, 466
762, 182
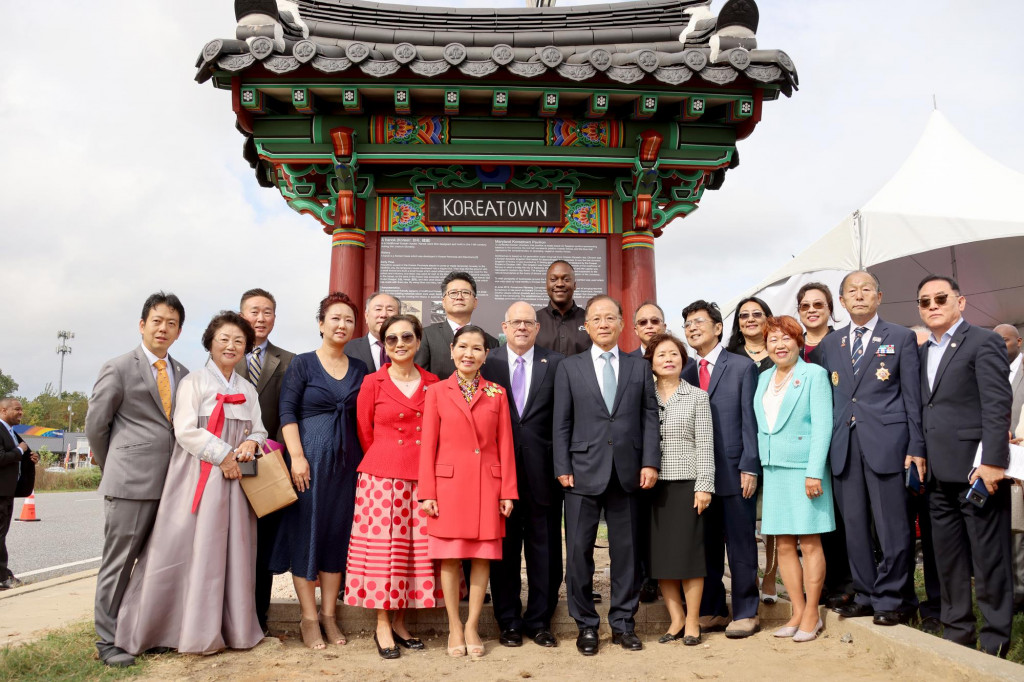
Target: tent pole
952, 260
860, 240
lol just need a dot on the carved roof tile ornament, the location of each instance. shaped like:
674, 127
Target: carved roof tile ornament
623, 42
281, 64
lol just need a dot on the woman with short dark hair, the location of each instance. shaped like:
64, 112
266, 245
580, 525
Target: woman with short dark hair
194, 586
318, 421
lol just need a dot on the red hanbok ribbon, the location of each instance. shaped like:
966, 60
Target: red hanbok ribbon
215, 425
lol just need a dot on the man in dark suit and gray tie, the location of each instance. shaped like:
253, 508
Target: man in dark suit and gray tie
16, 461
876, 392
730, 521
458, 296
967, 401
264, 368
606, 448
369, 348
131, 435
527, 372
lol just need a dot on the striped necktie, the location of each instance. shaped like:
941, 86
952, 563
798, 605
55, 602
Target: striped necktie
858, 348
255, 366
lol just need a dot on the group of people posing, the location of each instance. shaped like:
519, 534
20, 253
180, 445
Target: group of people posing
429, 460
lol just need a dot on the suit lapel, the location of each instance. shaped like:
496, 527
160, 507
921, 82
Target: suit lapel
955, 343
723, 359
455, 395
540, 368
626, 366
1018, 380
146, 374
796, 387
589, 376
846, 356
270, 364
502, 376
877, 338
388, 386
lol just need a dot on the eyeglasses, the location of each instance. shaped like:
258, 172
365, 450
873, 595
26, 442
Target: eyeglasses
757, 315
391, 340
926, 301
516, 324
817, 305
608, 319
654, 320
696, 322
459, 293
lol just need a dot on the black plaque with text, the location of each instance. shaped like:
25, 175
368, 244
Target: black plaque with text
497, 207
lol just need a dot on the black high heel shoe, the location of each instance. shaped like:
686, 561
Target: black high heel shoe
413, 643
387, 654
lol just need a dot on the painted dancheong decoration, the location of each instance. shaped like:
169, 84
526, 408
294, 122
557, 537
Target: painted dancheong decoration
357, 112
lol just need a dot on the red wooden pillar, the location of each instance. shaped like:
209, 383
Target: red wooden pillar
347, 247
638, 280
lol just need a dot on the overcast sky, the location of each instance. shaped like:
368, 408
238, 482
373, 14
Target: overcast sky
121, 175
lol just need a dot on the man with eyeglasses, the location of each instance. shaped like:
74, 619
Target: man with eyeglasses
967, 402
369, 349
648, 320
607, 447
527, 372
876, 393
730, 520
458, 297
561, 321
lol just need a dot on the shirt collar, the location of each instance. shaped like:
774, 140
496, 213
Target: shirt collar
455, 325
712, 356
558, 313
373, 340
9, 428
262, 347
596, 352
869, 325
212, 367
945, 337
527, 356
153, 358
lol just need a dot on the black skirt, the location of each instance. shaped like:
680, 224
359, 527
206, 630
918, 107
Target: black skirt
677, 533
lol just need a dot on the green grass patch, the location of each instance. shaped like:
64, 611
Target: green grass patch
65, 654
78, 479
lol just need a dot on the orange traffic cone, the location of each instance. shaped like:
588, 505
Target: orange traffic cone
28, 509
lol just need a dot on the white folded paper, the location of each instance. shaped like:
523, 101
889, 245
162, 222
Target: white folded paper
1016, 468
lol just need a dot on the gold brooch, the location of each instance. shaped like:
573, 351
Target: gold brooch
882, 374
492, 391
835, 378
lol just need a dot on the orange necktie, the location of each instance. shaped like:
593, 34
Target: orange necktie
163, 385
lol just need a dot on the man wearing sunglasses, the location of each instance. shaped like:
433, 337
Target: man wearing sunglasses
876, 393
458, 297
527, 372
648, 320
730, 520
967, 402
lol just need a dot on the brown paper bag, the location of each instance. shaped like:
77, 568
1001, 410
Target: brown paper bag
271, 488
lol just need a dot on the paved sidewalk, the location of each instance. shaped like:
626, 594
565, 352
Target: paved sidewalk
26, 612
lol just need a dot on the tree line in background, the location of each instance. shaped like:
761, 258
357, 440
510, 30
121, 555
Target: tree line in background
48, 409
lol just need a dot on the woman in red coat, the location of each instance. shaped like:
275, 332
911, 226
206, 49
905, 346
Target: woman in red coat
388, 568
467, 481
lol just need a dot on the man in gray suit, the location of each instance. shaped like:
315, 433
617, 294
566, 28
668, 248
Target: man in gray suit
606, 445
369, 348
130, 431
1013, 346
458, 296
264, 368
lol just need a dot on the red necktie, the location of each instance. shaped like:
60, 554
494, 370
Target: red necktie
705, 375
215, 426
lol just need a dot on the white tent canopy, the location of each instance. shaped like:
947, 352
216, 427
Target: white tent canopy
951, 210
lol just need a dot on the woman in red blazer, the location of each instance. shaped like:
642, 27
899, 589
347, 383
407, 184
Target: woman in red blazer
388, 568
467, 481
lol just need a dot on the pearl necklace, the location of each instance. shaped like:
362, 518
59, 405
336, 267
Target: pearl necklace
778, 388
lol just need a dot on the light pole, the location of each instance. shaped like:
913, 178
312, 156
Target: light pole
67, 435
63, 349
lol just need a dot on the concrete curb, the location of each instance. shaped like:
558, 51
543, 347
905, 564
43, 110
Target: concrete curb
44, 584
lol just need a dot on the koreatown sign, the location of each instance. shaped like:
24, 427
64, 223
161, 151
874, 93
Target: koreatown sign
539, 209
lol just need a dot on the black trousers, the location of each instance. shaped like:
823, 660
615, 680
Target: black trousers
730, 524
582, 514
266, 533
535, 530
966, 535
917, 511
6, 514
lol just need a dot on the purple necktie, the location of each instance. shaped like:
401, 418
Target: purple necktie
519, 385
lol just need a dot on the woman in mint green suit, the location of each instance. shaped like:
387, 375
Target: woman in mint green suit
793, 405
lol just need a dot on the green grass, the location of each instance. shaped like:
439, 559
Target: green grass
65, 654
1016, 653
80, 479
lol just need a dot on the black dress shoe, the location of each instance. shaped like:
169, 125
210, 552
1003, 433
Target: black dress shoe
649, 591
669, 637
886, 618
388, 654
854, 610
931, 625
834, 601
412, 643
10, 583
587, 641
542, 637
627, 640
117, 658
597, 597
511, 637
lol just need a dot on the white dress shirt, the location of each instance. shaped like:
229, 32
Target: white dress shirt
375, 346
527, 368
1015, 367
712, 358
599, 363
152, 361
866, 339
936, 350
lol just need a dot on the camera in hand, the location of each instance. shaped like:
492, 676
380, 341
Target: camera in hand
248, 468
